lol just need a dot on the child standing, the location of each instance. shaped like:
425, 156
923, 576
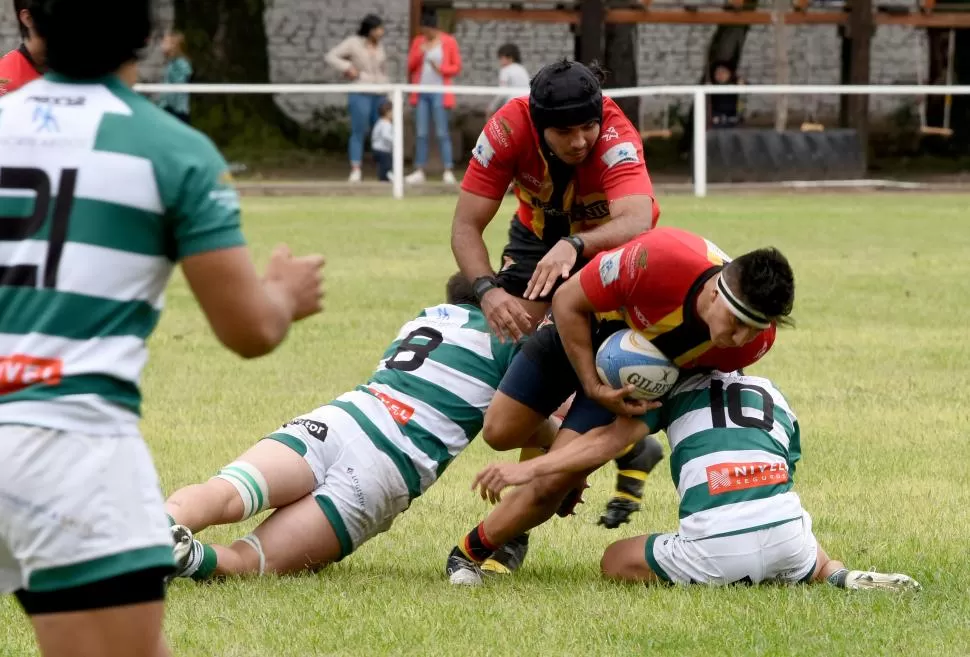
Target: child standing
382, 141
177, 71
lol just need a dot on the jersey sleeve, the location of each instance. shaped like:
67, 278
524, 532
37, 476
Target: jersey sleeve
656, 419
492, 166
619, 156
205, 208
609, 279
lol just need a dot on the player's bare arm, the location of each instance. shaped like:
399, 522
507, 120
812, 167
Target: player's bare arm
506, 315
586, 453
249, 315
632, 215
572, 310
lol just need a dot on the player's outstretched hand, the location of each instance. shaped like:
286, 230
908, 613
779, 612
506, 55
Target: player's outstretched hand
619, 401
498, 476
506, 315
559, 261
301, 279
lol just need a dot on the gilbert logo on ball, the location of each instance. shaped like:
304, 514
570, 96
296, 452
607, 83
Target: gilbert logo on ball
628, 358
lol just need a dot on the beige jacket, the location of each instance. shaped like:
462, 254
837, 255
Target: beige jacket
354, 51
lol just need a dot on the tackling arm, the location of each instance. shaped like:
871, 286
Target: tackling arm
631, 216
572, 309
593, 449
472, 214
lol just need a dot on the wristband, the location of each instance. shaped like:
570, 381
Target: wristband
577, 243
483, 284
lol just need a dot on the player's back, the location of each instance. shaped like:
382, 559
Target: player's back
734, 443
430, 391
100, 193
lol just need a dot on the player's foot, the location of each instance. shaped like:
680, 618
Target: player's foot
618, 512
415, 178
449, 178
187, 551
461, 570
355, 176
508, 558
858, 580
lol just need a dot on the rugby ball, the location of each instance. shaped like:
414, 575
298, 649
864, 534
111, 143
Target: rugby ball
626, 357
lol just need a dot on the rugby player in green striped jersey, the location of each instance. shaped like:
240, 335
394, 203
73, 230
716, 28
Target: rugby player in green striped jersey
101, 194
340, 474
734, 444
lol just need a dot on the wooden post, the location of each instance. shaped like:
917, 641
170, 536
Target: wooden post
781, 62
860, 31
591, 17
414, 19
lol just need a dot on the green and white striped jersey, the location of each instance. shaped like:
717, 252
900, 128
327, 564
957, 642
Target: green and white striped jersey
426, 402
101, 193
734, 443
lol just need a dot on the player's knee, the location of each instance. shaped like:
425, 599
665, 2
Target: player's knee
502, 432
614, 564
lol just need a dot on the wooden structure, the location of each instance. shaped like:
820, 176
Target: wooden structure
928, 13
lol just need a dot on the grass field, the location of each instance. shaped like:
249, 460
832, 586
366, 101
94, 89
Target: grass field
877, 370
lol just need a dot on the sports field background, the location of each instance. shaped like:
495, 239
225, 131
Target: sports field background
877, 371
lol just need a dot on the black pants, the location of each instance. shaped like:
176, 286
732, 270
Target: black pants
520, 258
384, 165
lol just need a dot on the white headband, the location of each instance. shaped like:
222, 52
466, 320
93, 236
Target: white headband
739, 309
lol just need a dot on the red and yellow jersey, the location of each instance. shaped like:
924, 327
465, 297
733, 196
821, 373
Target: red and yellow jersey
652, 283
509, 150
16, 70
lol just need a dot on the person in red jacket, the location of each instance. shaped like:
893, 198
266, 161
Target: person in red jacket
23, 65
434, 59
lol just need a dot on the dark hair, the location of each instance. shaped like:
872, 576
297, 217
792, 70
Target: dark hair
511, 51
19, 6
458, 290
765, 281
384, 107
91, 38
370, 22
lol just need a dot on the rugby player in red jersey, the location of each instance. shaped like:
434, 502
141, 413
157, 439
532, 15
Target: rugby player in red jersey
582, 187
23, 65
677, 289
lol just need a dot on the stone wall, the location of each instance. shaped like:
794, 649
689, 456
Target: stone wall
301, 31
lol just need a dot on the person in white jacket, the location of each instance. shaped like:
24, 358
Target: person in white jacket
361, 58
382, 142
511, 74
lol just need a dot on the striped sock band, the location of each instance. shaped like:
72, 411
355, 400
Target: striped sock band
476, 546
250, 484
207, 562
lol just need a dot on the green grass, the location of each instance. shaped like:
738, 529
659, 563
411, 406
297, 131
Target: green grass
876, 369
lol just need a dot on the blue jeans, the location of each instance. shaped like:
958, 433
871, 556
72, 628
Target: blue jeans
431, 107
363, 115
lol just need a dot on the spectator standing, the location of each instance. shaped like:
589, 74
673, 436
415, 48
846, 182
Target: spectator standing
511, 74
382, 142
361, 59
178, 70
434, 59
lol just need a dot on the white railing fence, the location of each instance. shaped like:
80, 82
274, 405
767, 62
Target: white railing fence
699, 92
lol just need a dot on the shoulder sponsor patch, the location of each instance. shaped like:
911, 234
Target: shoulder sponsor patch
610, 267
483, 151
622, 153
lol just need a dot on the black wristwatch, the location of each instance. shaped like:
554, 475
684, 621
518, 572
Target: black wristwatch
577, 243
483, 284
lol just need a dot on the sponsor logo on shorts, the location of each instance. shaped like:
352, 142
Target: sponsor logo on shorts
622, 153
610, 267
315, 428
483, 151
19, 371
400, 411
507, 263
727, 477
